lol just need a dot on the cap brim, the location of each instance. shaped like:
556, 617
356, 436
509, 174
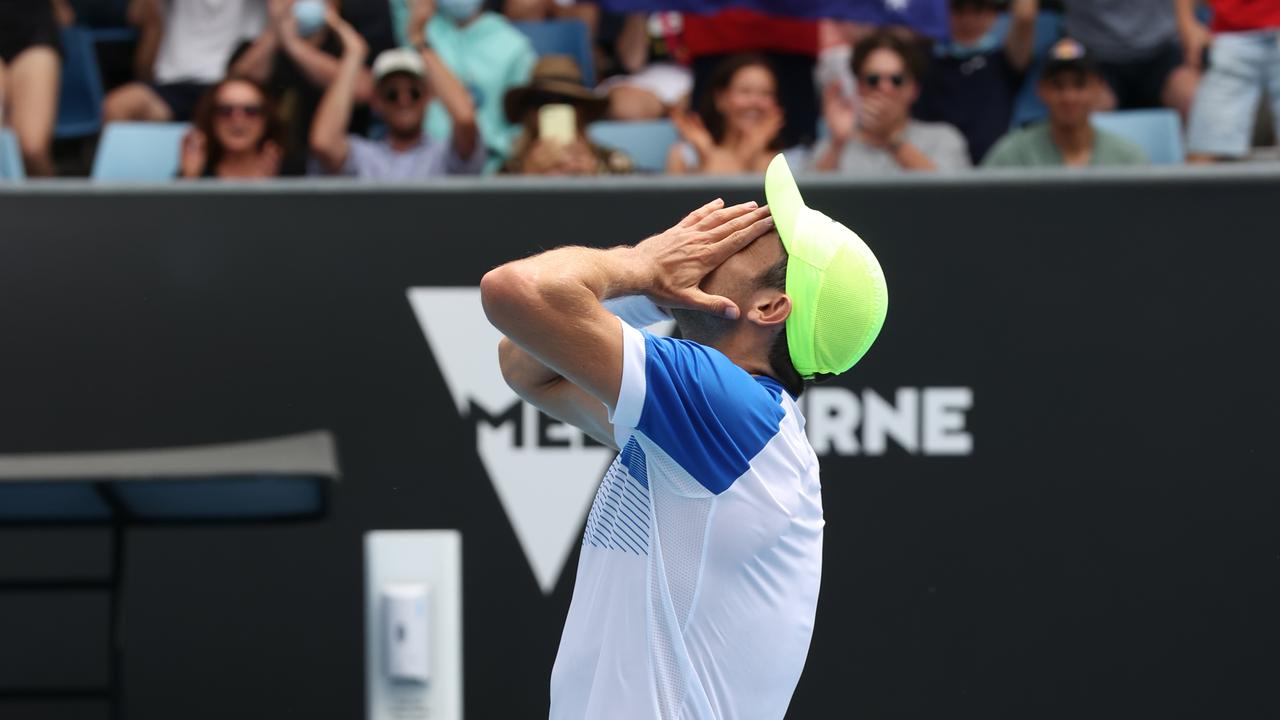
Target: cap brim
783, 196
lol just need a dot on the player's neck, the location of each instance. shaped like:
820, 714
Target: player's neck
748, 349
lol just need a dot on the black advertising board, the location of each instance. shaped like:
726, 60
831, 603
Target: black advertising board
1050, 489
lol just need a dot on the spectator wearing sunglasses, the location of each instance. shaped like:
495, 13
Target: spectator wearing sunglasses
236, 134
877, 135
1070, 87
404, 79
483, 49
974, 77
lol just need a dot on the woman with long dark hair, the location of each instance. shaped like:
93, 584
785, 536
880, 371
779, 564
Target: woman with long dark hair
236, 133
737, 130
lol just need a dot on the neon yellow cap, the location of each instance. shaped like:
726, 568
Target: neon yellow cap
838, 294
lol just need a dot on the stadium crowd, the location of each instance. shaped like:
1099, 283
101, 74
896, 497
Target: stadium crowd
412, 89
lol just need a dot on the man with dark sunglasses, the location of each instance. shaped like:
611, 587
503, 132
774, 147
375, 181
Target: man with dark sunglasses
878, 134
1070, 87
404, 79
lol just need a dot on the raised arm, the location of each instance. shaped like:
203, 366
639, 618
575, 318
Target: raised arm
453, 94
333, 115
148, 17
320, 68
259, 58
633, 42
550, 304
1195, 36
1020, 44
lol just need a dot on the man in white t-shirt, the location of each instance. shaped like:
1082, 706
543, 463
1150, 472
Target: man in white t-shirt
192, 41
702, 555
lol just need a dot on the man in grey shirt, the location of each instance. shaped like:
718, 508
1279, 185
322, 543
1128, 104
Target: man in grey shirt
403, 80
879, 136
1135, 43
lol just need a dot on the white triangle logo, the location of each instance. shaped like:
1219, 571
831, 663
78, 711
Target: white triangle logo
544, 474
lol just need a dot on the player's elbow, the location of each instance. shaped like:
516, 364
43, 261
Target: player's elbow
504, 291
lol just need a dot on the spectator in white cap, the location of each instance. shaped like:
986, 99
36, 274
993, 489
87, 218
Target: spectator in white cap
404, 81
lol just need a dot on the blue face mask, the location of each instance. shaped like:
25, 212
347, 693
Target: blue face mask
310, 16
460, 10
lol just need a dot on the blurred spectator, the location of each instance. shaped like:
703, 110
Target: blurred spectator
29, 75
401, 94
192, 40
1244, 56
538, 10
879, 135
296, 57
790, 45
657, 79
553, 111
483, 50
1069, 87
974, 79
236, 135
1135, 44
738, 129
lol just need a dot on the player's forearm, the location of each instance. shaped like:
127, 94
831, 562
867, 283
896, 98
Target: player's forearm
524, 373
524, 296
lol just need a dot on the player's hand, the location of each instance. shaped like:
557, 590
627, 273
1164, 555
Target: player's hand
676, 262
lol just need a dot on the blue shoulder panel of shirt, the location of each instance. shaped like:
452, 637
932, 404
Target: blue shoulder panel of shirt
708, 414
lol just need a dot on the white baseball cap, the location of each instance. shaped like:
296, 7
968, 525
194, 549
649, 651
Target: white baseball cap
398, 60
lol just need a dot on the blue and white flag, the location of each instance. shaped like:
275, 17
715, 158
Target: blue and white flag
928, 17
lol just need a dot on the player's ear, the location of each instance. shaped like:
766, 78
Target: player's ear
770, 308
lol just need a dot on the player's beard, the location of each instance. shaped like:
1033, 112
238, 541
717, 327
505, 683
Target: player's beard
701, 327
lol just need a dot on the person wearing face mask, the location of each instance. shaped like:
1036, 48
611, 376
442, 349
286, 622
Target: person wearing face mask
973, 79
296, 57
483, 50
878, 135
404, 82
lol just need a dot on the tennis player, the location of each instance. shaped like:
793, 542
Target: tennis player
698, 579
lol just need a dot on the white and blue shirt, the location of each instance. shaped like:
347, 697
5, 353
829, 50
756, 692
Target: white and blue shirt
698, 579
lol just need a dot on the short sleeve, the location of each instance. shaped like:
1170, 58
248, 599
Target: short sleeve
693, 403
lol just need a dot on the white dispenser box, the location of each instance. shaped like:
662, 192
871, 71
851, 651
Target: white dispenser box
413, 624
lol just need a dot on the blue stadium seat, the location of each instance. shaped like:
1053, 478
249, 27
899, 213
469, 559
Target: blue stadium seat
563, 37
646, 142
1158, 132
80, 98
10, 157
139, 151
